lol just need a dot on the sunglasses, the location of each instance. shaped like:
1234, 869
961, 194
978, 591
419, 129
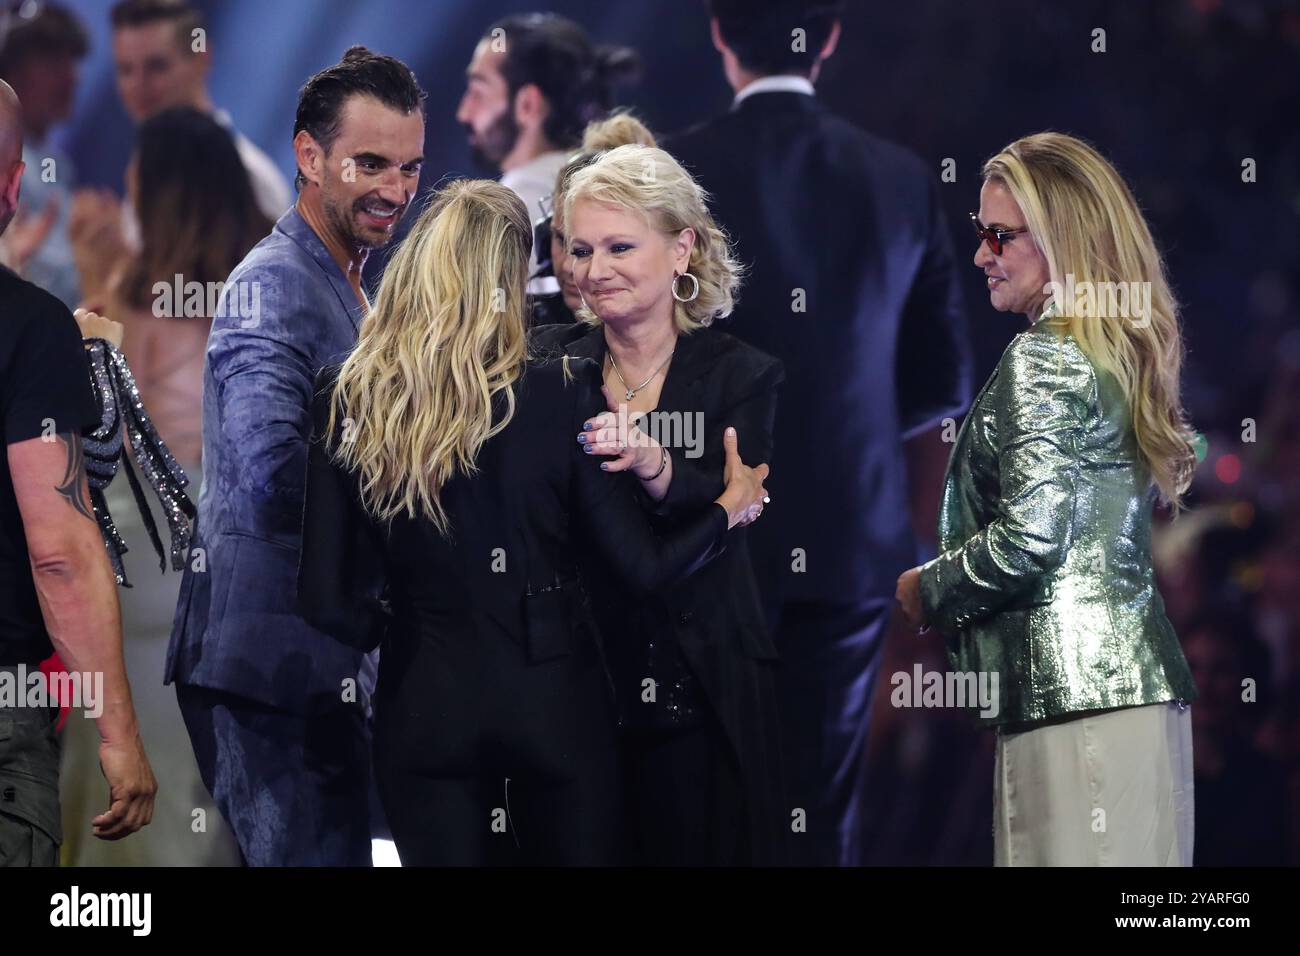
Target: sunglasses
994, 237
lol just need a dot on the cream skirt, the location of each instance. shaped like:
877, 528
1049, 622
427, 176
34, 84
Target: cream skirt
1112, 788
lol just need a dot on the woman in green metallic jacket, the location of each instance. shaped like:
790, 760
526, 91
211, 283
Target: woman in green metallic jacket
1043, 586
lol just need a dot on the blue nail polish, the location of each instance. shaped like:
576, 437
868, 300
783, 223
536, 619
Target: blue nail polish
587, 449
604, 466
586, 426
582, 439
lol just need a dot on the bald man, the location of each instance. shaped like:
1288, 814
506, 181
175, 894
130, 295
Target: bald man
56, 586
11, 152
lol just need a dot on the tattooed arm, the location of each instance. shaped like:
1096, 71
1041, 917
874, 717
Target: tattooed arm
78, 598
73, 488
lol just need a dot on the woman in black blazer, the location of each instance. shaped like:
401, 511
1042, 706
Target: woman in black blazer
692, 661
494, 723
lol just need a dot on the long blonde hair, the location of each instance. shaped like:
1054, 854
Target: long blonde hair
648, 181
444, 339
1087, 224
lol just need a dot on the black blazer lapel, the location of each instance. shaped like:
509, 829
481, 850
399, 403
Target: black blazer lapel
682, 384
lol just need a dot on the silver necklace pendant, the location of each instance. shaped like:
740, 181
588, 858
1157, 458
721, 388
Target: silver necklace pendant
631, 392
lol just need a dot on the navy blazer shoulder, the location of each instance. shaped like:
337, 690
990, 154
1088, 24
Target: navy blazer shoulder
287, 311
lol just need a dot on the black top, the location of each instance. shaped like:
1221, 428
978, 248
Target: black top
852, 285
44, 390
714, 380
703, 641
514, 527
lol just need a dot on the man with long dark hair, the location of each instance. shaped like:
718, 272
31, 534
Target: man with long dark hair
536, 80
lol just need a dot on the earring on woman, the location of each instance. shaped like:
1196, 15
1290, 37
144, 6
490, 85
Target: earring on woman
695, 290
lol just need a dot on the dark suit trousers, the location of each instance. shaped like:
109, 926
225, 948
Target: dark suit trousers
295, 789
684, 799
830, 657
486, 757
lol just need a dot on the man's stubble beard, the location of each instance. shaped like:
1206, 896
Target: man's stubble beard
496, 142
342, 221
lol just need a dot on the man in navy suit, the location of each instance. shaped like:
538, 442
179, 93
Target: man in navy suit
852, 286
271, 704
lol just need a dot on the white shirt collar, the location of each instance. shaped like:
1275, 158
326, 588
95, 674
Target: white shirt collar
783, 83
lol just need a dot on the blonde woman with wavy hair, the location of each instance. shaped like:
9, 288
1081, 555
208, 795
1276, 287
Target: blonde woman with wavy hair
655, 273
1044, 586
445, 498
455, 323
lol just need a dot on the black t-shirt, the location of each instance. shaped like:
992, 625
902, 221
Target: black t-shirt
44, 389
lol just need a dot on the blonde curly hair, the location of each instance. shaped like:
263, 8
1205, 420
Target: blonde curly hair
648, 181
